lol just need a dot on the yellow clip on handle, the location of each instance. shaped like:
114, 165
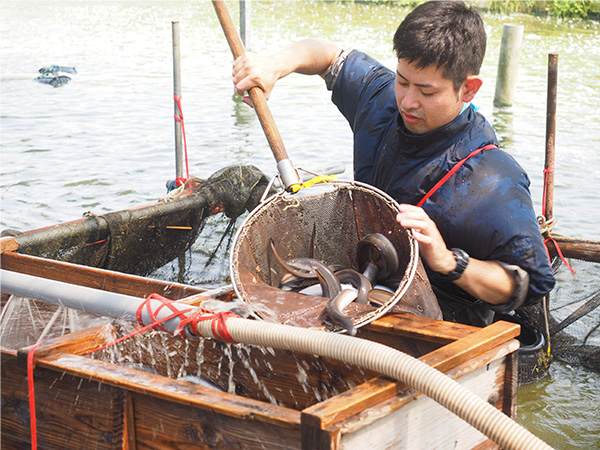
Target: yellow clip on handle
318, 179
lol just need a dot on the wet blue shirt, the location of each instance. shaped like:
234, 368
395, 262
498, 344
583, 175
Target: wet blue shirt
485, 208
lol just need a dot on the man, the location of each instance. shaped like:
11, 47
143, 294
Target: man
477, 231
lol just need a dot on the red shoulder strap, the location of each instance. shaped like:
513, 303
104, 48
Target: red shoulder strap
453, 171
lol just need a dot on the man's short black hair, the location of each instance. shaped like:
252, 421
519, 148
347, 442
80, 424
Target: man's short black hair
446, 34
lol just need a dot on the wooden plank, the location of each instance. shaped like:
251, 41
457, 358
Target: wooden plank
77, 343
72, 413
317, 439
511, 383
467, 350
475, 343
349, 403
129, 439
413, 420
162, 424
583, 249
421, 328
8, 244
95, 278
172, 390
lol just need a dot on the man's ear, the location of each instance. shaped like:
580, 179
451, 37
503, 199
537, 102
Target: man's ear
470, 87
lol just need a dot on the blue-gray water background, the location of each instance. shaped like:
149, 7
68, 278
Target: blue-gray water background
105, 141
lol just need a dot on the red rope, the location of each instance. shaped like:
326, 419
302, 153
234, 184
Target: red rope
558, 251
31, 392
218, 325
180, 119
452, 171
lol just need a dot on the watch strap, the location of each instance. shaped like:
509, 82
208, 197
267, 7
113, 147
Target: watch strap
462, 259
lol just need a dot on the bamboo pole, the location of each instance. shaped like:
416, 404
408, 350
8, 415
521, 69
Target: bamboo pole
550, 136
179, 157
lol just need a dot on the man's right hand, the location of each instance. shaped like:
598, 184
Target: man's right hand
252, 70
309, 57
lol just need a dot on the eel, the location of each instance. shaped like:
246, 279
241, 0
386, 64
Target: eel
336, 305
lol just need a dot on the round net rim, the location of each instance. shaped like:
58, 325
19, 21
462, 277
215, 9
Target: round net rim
337, 185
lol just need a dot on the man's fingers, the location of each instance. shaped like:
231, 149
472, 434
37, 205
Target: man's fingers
248, 101
421, 238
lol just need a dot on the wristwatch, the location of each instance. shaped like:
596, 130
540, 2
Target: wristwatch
462, 259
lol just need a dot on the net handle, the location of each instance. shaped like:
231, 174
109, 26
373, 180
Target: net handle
258, 99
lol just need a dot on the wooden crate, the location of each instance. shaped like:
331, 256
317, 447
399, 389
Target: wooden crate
278, 399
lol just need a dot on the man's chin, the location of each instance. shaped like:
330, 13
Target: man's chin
418, 128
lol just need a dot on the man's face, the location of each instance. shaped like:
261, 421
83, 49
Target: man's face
426, 100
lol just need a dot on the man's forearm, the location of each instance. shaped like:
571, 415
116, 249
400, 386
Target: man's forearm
488, 281
311, 56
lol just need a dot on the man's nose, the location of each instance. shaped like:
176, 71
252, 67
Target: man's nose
410, 99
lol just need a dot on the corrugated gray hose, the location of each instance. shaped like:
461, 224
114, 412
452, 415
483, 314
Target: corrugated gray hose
389, 362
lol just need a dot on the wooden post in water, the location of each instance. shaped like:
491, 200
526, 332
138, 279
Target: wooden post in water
508, 64
245, 18
550, 135
179, 157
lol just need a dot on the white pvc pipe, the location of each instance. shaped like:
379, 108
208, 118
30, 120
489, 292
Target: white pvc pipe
379, 358
93, 301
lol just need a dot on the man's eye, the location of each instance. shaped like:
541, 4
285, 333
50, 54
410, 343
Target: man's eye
427, 94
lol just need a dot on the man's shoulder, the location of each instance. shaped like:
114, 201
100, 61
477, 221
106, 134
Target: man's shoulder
359, 67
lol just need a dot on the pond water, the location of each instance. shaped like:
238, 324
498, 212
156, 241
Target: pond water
104, 141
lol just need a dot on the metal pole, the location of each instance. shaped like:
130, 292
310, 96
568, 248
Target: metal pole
508, 64
179, 157
245, 21
550, 135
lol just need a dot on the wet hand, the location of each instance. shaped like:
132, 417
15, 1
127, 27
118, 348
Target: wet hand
252, 70
432, 247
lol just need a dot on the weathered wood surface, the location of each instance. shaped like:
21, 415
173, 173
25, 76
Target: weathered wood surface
420, 422
406, 325
347, 404
187, 427
95, 278
466, 348
75, 343
155, 410
8, 244
71, 412
583, 249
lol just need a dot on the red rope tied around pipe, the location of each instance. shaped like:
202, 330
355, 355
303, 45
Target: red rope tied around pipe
165, 302
218, 325
155, 322
180, 119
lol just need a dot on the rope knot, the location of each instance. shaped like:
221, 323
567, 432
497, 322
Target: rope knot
218, 324
546, 225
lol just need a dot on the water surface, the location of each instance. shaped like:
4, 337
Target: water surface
105, 141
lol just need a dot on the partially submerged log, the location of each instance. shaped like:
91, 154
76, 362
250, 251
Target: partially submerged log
584, 249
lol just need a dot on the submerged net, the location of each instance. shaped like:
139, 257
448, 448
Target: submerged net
570, 319
139, 240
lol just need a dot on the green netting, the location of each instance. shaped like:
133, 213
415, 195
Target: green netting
139, 240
